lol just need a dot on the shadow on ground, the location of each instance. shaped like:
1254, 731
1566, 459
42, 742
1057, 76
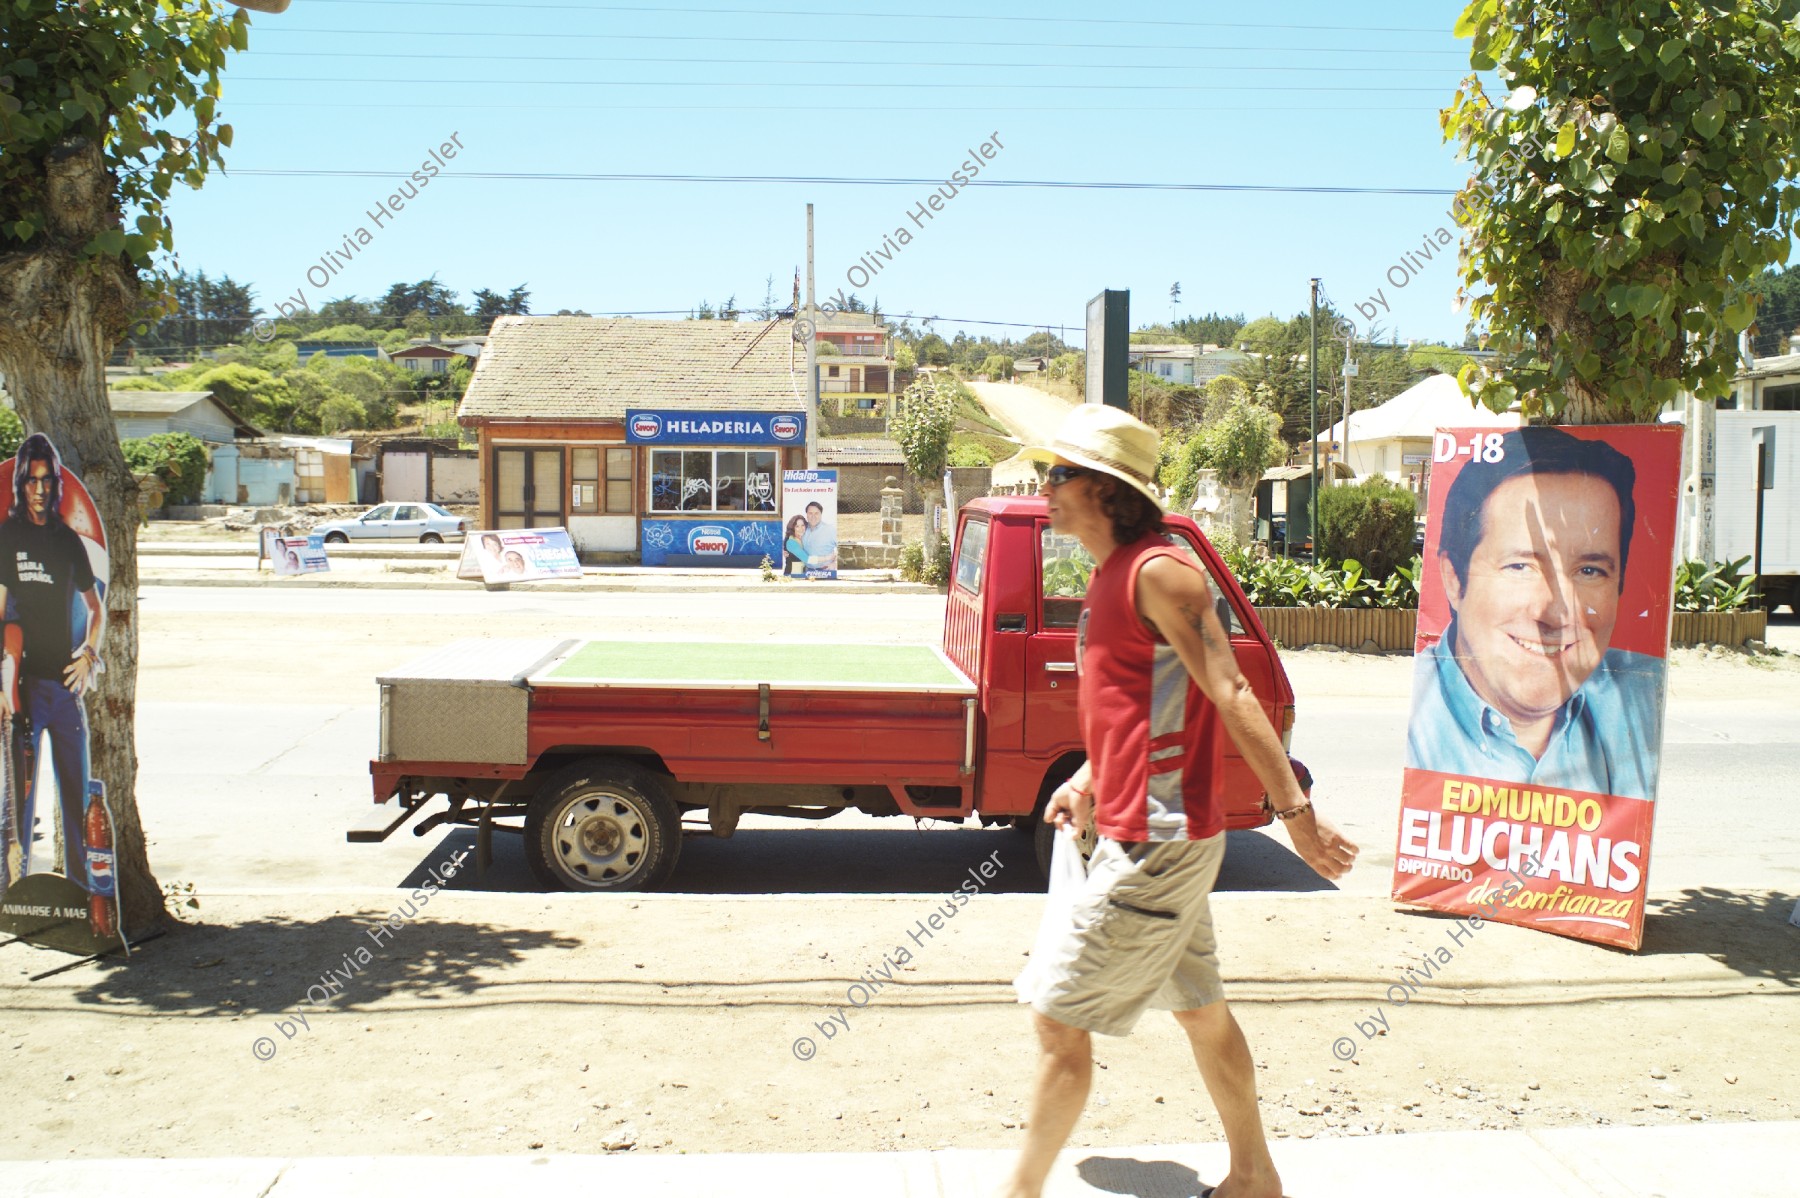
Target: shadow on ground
900, 860
1748, 932
265, 966
1141, 1179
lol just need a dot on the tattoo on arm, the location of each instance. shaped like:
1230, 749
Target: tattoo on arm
1197, 621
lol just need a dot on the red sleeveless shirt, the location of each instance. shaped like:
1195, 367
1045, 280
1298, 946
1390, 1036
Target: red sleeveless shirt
1154, 741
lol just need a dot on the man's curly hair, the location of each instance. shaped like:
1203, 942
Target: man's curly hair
1133, 514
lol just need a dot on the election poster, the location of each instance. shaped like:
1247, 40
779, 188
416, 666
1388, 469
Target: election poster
1540, 668
809, 542
518, 555
57, 886
294, 555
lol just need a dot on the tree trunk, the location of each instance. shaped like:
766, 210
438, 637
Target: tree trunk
60, 318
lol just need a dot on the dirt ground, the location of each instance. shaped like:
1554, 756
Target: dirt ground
481, 1022
660, 1023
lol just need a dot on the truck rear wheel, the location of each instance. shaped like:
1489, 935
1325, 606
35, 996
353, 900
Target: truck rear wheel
1044, 840
603, 825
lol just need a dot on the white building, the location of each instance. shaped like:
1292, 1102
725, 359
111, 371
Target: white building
1394, 439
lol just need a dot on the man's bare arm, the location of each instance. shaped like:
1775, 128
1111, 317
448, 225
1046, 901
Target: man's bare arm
1177, 601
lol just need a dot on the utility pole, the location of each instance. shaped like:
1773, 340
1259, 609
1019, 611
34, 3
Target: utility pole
812, 355
1312, 371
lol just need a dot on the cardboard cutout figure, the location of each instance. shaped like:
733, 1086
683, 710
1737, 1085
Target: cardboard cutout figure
53, 579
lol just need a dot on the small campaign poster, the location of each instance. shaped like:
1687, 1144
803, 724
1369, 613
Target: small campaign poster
809, 541
54, 571
1533, 748
518, 555
294, 555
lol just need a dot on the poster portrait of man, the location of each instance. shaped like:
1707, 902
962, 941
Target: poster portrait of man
1526, 684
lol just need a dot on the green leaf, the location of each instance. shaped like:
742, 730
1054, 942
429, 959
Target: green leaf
1554, 213
1630, 224
1472, 18
1565, 140
1710, 119
1740, 315
1631, 39
1618, 146
109, 242
1670, 50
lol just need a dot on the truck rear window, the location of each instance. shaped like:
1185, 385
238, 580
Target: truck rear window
1067, 566
971, 555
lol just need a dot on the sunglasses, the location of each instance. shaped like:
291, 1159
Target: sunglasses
1056, 476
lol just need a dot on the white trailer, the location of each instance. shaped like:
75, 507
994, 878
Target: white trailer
1739, 438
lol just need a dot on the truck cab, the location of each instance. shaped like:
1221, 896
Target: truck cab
1016, 592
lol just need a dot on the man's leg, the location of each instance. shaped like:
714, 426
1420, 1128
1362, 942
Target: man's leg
1065, 1070
69, 757
1230, 1076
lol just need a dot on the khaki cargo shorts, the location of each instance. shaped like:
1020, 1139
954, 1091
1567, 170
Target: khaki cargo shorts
1141, 936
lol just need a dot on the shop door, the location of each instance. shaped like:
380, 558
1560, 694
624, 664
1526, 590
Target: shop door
528, 487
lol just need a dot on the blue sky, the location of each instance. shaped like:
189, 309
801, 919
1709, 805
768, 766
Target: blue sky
1283, 94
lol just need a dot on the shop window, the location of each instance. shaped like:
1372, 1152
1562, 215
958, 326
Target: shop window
584, 482
706, 480
618, 482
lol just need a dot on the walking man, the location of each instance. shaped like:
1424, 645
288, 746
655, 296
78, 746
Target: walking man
1160, 691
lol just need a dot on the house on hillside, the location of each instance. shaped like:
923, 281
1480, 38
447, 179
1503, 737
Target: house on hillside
858, 372
427, 356
198, 413
341, 349
659, 440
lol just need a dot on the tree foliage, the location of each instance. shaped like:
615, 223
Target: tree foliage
12, 432
997, 367
178, 459
1626, 195
922, 422
1244, 442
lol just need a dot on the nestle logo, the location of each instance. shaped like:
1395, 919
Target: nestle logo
784, 428
646, 425
711, 545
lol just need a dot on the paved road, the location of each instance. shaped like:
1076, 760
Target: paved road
258, 720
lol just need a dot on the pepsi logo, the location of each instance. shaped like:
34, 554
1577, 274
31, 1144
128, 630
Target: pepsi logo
646, 425
784, 428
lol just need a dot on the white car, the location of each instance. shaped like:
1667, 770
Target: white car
424, 522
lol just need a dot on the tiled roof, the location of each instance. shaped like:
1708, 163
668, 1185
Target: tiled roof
1772, 367
582, 368
834, 452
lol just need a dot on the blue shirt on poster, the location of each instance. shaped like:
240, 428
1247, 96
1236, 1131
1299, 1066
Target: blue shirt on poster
821, 540
1605, 739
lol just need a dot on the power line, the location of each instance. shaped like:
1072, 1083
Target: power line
813, 108
848, 63
570, 35
833, 85
840, 15
560, 177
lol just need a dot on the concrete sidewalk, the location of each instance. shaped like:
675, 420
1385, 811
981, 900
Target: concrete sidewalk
1741, 1160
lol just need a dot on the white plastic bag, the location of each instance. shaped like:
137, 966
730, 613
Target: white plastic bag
1068, 875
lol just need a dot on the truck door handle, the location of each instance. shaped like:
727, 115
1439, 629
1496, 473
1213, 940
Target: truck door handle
1059, 667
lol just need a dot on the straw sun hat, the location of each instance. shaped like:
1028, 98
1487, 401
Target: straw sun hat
1107, 440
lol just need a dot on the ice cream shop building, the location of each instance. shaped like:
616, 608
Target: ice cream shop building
659, 440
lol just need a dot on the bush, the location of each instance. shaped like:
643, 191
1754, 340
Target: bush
1289, 582
178, 459
914, 567
937, 569
1721, 586
912, 561
1371, 522
970, 453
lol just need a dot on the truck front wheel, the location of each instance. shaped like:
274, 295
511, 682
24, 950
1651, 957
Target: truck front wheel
603, 825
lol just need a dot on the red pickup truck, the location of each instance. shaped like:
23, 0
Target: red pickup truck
595, 750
